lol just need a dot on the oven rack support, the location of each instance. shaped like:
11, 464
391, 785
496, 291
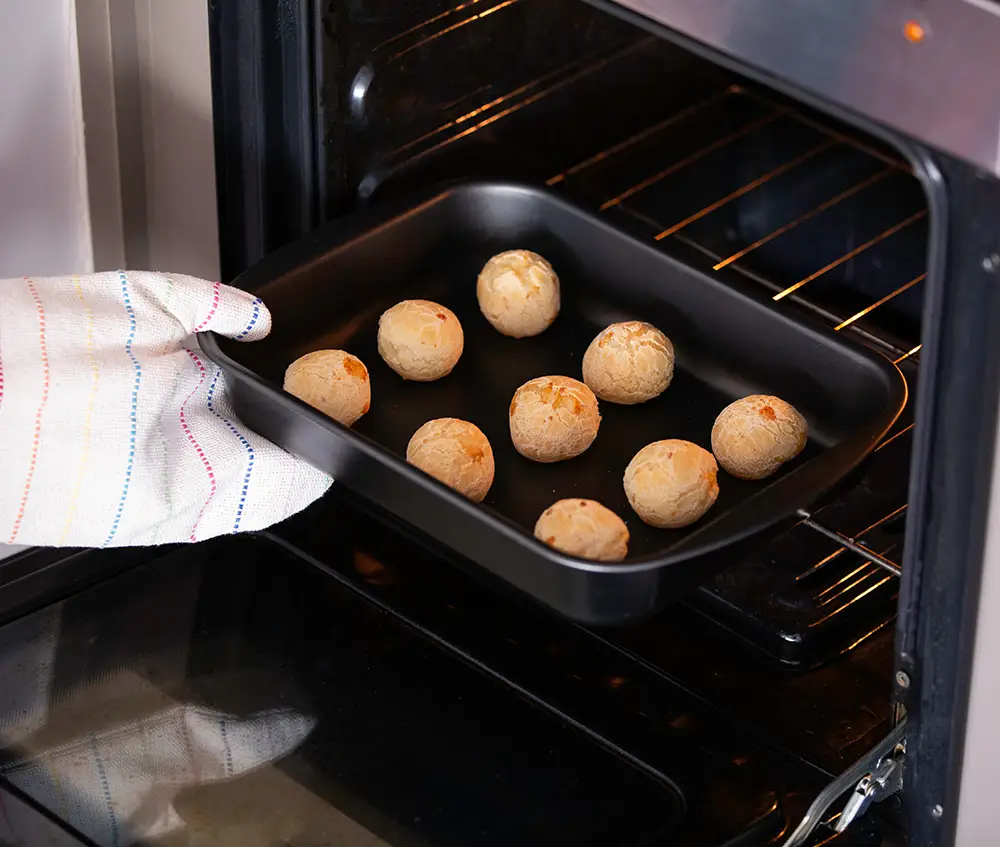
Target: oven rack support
876, 776
849, 543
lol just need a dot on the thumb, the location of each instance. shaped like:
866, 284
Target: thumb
202, 306
239, 315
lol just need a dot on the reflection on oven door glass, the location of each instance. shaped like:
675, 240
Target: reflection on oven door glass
232, 694
117, 780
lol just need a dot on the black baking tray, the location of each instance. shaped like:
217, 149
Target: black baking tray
328, 290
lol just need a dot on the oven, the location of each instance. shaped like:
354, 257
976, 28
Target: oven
338, 680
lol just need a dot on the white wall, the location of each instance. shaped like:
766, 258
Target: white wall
178, 138
147, 100
976, 823
148, 142
44, 211
44, 217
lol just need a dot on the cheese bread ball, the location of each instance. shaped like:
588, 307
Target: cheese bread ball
553, 418
755, 436
420, 340
518, 293
671, 483
456, 453
332, 381
629, 362
583, 528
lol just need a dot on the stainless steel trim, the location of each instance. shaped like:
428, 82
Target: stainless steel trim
927, 69
991, 6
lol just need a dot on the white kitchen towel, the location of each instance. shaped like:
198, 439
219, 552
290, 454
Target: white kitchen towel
116, 430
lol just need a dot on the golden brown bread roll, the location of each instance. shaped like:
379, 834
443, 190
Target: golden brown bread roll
420, 339
456, 453
518, 293
332, 381
671, 483
756, 435
629, 362
553, 418
583, 528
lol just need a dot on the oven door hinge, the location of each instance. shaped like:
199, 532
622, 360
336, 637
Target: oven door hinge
874, 787
874, 777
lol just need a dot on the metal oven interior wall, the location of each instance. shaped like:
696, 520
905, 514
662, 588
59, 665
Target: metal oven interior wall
325, 106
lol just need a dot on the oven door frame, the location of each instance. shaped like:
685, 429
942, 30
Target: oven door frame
263, 79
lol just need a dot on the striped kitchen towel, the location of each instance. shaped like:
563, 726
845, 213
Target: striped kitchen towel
116, 430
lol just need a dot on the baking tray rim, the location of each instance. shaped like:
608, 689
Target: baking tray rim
340, 233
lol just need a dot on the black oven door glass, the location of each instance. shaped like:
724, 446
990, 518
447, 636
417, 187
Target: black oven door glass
235, 692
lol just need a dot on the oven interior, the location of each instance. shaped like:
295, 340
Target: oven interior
731, 709
680, 152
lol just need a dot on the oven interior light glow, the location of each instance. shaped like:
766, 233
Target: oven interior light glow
914, 32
